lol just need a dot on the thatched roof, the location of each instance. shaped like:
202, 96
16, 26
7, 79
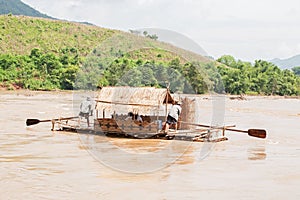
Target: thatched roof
125, 99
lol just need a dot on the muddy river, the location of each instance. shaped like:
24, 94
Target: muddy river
37, 163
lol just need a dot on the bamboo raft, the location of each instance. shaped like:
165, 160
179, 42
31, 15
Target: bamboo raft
131, 129
151, 105
197, 135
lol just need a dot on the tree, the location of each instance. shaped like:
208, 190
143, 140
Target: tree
227, 60
147, 78
153, 37
131, 78
145, 33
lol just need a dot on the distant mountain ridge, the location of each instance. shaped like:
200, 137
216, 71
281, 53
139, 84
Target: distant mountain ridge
287, 63
17, 7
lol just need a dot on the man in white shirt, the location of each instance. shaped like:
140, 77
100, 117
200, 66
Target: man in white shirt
86, 109
173, 117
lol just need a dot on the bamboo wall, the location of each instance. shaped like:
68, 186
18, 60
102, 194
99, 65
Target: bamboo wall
188, 113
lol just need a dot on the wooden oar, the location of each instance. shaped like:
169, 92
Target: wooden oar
30, 122
259, 133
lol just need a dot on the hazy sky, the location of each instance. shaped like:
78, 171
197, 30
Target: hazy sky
246, 29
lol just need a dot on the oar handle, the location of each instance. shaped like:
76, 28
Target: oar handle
259, 133
30, 122
223, 127
66, 118
46, 120
63, 118
236, 130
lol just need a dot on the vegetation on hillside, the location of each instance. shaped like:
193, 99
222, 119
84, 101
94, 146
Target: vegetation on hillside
261, 78
183, 77
48, 71
234, 77
41, 54
39, 71
20, 34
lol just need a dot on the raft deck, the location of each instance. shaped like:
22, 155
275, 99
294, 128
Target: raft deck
196, 135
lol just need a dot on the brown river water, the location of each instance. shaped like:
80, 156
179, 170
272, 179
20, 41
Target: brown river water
37, 163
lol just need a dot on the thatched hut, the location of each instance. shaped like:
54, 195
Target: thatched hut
140, 100
115, 104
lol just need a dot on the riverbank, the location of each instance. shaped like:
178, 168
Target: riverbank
204, 96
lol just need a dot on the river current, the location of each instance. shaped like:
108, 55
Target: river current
37, 163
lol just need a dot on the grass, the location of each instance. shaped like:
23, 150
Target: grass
20, 34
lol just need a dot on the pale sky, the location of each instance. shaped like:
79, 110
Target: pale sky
245, 29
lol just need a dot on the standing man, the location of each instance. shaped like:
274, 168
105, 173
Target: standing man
86, 109
172, 118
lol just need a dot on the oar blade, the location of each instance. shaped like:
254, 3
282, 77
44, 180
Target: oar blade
30, 122
259, 133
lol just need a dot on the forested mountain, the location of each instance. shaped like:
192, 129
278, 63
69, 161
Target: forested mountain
46, 54
17, 7
288, 63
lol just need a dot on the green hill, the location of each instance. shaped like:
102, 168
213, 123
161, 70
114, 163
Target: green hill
17, 7
47, 54
20, 34
33, 50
